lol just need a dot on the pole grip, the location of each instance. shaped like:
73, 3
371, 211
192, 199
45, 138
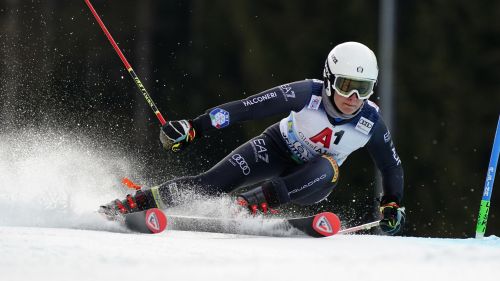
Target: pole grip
488, 185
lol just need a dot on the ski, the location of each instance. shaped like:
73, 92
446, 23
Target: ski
324, 224
320, 225
150, 221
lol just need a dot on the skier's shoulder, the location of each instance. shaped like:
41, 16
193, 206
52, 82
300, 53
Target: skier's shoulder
306, 86
368, 120
316, 86
370, 111
300, 92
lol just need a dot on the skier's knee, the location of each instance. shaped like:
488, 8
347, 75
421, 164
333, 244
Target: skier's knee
315, 197
316, 182
330, 167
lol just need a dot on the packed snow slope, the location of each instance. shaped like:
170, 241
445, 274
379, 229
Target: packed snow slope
49, 230
34, 253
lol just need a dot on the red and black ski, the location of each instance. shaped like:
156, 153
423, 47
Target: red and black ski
319, 225
155, 221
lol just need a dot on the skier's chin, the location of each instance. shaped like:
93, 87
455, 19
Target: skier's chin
348, 108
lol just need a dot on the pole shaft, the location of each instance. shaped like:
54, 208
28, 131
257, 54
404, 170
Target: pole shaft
365, 226
127, 65
488, 185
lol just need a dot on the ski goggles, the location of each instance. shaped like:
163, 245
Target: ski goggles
345, 87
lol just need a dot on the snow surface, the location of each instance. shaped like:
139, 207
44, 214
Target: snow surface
49, 231
33, 253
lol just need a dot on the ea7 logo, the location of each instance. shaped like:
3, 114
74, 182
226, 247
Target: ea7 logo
259, 146
287, 91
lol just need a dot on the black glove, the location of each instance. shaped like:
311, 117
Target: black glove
176, 135
392, 217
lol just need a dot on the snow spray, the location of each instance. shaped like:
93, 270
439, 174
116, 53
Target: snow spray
50, 179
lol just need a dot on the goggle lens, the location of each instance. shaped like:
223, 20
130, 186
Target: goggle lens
346, 87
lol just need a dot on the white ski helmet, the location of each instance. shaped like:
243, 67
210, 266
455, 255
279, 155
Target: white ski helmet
350, 68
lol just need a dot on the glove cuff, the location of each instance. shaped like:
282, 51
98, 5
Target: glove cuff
197, 125
386, 199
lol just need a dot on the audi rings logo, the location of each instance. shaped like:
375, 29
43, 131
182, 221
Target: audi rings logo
239, 160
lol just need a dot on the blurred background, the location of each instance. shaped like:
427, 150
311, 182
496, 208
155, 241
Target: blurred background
439, 59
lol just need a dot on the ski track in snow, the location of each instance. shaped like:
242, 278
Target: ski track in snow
49, 230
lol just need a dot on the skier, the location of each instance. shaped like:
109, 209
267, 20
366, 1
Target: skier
297, 159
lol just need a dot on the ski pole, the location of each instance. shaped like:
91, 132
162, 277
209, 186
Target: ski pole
365, 226
484, 208
127, 65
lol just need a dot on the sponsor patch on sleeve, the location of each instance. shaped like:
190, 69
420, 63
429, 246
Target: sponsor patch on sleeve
364, 125
314, 103
219, 118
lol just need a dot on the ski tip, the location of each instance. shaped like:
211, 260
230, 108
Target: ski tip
156, 221
326, 224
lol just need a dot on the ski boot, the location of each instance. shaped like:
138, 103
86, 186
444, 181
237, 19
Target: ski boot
142, 200
262, 198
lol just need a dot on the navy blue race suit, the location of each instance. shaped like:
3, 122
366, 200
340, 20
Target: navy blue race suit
299, 155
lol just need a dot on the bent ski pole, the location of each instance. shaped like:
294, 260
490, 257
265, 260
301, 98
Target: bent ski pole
365, 226
127, 65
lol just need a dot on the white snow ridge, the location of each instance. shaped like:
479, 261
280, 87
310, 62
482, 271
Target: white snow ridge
49, 231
